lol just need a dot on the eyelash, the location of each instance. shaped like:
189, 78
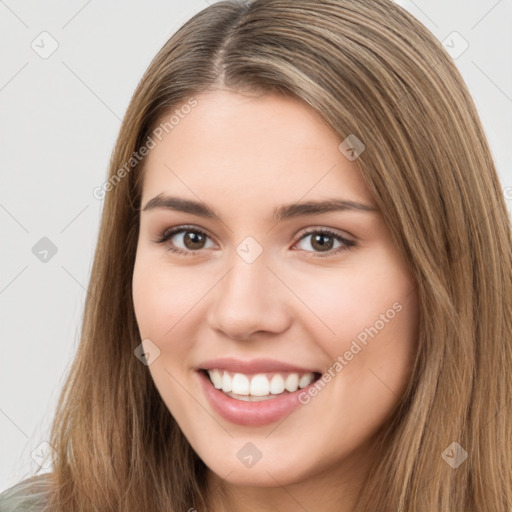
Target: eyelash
168, 234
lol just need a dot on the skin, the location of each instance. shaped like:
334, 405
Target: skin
244, 155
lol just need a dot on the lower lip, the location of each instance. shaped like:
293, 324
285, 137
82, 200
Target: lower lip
253, 414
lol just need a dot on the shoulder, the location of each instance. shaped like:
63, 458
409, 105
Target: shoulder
29, 495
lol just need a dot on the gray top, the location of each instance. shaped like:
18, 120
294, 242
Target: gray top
29, 495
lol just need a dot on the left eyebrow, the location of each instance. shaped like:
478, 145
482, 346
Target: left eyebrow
318, 207
284, 212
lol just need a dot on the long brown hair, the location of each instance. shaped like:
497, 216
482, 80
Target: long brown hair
370, 69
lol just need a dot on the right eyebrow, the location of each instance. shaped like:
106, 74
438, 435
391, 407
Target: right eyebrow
162, 201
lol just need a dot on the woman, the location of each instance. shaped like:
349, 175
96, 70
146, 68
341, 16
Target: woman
300, 298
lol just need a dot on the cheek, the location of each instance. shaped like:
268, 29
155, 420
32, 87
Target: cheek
160, 317
372, 351
366, 319
162, 296
349, 301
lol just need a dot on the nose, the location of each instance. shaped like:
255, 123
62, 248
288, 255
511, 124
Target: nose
249, 299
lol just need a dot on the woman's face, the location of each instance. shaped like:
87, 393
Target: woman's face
264, 294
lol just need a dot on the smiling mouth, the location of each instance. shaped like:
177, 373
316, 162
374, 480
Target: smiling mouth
260, 386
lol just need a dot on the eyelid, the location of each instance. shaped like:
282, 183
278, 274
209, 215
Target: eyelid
324, 229
347, 243
170, 232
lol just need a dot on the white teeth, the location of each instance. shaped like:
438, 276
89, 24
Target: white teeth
277, 384
240, 384
305, 380
258, 385
226, 382
292, 382
216, 378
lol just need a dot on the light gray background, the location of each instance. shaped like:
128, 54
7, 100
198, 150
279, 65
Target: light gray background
59, 119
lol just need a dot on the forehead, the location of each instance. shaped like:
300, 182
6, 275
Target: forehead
264, 146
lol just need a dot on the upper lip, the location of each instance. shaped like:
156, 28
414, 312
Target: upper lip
252, 366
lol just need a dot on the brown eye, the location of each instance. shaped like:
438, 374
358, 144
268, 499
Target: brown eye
184, 240
324, 240
193, 240
187, 241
